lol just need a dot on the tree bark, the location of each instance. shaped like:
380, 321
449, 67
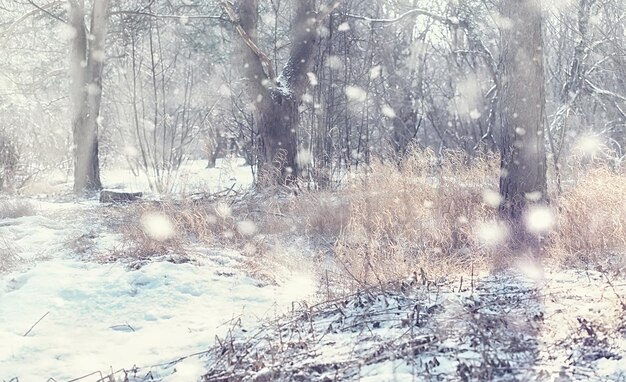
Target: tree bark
277, 98
523, 116
87, 60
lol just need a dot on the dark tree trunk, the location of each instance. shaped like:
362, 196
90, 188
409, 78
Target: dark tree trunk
404, 90
277, 120
523, 164
214, 149
87, 59
277, 98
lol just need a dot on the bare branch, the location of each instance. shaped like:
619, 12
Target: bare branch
29, 14
604, 92
161, 16
247, 39
412, 12
47, 12
35, 324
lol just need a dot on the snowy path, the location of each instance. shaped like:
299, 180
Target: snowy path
102, 316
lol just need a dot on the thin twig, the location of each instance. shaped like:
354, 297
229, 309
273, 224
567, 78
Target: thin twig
619, 297
35, 324
44, 10
117, 327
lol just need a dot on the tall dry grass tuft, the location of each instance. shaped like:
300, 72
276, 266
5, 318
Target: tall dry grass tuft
154, 229
439, 213
9, 259
420, 214
12, 209
591, 220
138, 244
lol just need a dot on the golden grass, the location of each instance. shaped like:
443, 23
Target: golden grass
393, 220
428, 214
418, 215
153, 229
591, 220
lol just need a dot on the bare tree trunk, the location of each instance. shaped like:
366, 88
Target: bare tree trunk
87, 59
277, 98
523, 163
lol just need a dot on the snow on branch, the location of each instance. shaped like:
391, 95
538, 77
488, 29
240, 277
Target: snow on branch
161, 16
416, 11
604, 92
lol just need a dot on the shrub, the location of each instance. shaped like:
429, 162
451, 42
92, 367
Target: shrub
434, 212
153, 229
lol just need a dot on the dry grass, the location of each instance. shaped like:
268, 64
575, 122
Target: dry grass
428, 213
591, 218
12, 209
313, 214
154, 229
9, 259
390, 222
418, 215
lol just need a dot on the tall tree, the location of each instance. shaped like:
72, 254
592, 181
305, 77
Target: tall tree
277, 97
87, 60
523, 163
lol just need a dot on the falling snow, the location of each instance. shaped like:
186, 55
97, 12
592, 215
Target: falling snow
325, 190
157, 226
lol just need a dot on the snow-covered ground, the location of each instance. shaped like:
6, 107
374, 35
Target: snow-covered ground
193, 176
99, 317
507, 327
102, 316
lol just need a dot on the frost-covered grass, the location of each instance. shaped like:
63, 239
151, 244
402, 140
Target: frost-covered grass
8, 258
501, 327
12, 209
